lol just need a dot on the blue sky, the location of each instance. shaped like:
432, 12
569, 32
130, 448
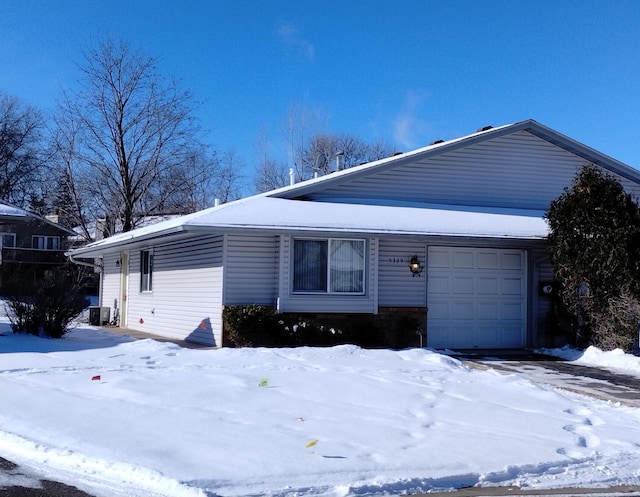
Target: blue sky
409, 72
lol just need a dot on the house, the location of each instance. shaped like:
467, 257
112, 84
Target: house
29, 241
451, 234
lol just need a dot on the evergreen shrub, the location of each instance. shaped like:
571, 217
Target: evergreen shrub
594, 235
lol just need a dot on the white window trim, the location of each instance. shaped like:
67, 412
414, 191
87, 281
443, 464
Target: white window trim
2, 235
45, 239
328, 291
148, 288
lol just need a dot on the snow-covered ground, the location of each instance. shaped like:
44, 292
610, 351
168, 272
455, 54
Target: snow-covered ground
123, 417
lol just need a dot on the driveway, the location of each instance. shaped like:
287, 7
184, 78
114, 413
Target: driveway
26, 483
596, 382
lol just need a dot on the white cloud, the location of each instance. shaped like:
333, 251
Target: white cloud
409, 129
290, 35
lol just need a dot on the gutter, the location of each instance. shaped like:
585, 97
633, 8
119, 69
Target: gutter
83, 263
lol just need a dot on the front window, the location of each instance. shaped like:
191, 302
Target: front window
44, 242
146, 270
8, 240
328, 266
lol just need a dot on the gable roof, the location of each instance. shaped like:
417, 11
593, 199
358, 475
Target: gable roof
549, 135
288, 209
10, 214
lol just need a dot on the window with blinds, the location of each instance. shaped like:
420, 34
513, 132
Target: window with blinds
331, 265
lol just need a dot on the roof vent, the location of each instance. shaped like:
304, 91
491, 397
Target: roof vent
396, 153
484, 128
435, 142
339, 161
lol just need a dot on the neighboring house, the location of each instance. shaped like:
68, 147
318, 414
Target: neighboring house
465, 214
29, 241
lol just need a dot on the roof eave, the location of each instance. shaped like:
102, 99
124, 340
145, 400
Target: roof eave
99, 248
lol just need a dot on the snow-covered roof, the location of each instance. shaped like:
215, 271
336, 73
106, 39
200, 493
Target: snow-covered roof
283, 215
279, 211
11, 212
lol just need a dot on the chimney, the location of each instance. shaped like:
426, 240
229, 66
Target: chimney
339, 161
292, 176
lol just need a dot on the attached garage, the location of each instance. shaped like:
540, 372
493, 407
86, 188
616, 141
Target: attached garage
476, 298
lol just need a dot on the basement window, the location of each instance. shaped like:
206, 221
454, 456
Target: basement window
331, 265
146, 270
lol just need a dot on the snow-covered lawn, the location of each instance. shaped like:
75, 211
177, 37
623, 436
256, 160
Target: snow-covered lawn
142, 417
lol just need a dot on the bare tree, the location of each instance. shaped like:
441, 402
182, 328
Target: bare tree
270, 173
311, 150
318, 155
132, 139
21, 154
228, 179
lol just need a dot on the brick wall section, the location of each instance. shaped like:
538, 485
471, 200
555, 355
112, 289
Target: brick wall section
401, 323
398, 325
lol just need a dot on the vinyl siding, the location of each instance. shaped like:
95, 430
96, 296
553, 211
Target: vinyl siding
186, 299
542, 305
519, 171
110, 283
291, 302
251, 269
397, 285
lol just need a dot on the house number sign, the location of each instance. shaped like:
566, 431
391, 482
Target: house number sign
396, 260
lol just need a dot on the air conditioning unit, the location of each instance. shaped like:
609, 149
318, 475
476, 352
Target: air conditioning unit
99, 316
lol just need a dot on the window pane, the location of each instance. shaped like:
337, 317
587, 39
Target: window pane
8, 240
146, 271
309, 266
347, 266
37, 242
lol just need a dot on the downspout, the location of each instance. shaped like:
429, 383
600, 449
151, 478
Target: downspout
100, 271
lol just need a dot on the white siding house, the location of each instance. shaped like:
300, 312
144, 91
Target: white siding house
469, 213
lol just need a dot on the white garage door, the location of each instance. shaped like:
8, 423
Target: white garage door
476, 298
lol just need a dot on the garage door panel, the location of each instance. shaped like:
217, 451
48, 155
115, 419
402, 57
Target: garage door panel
512, 311
463, 259
439, 338
487, 336
513, 261
439, 259
461, 335
513, 286
463, 285
487, 285
439, 310
487, 310
439, 285
476, 298
487, 260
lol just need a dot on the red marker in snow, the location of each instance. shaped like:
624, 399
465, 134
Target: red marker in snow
96, 377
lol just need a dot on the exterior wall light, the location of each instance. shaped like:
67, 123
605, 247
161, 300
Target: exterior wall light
415, 267
118, 262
